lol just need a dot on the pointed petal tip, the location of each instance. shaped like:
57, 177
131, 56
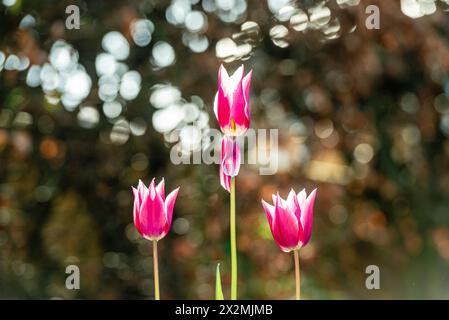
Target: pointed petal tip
141, 187
278, 198
175, 190
266, 204
312, 196
303, 191
222, 73
313, 192
152, 189
249, 75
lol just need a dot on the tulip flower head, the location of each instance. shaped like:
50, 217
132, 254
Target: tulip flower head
153, 211
229, 161
231, 104
291, 220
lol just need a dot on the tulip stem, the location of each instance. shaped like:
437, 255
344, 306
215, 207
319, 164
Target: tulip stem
298, 279
156, 271
233, 243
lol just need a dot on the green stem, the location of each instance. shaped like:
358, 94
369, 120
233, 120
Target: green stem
298, 284
233, 243
156, 271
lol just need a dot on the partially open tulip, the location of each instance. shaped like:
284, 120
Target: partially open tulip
229, 161
231, 104
153, 211
153, 215
291, 220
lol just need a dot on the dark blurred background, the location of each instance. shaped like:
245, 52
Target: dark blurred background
362, 114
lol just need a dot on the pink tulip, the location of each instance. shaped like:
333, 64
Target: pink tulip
152, 211
229, 161
231, 104
291, 220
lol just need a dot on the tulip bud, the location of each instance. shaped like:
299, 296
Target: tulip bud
152, 211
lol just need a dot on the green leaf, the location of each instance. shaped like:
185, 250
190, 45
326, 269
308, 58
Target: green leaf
218, 290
